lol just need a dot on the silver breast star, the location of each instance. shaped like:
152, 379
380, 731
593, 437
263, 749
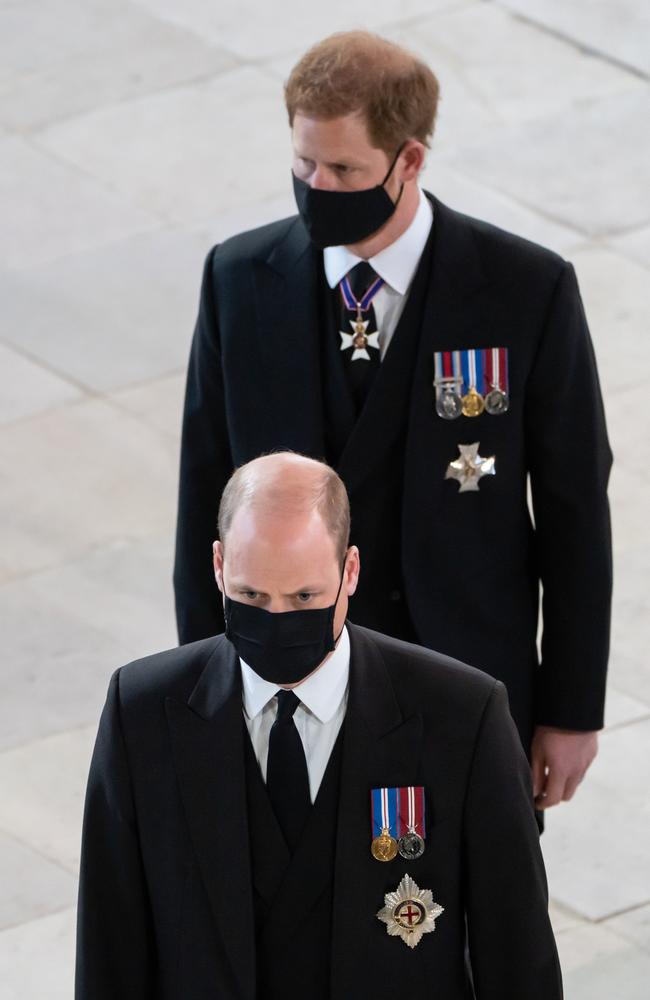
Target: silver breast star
410, 912
470, 467
360, 340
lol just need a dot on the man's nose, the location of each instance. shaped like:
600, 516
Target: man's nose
279, 604
323, 179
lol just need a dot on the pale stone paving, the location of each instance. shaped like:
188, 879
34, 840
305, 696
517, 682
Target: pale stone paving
133, 135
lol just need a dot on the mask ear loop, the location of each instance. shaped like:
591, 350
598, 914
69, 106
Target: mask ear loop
390, 170
392, 166
336, 601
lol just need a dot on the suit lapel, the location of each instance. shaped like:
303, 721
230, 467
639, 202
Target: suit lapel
340, 409
460, 311
288, 347
380, 748
457, 281
207, 736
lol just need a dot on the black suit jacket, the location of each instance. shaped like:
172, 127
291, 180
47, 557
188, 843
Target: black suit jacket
471, 563
165, 908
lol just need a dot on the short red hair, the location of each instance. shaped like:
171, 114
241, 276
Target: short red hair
350, 71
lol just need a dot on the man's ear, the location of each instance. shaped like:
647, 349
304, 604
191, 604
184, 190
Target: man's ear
412, 160
217, 562
352, 569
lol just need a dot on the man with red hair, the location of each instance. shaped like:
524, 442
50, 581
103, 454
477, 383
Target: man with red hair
440, 365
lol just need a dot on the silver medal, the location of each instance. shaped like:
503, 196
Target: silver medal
411, 846
449, 405
496, 402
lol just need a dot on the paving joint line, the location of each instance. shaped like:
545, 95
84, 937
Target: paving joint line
127, 200
623, 725
535, 209
582, 47
41, 854
42, 916
117, 102
621, 912
49, 368
55, 734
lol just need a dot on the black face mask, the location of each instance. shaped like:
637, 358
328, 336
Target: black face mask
341, 218
283, 647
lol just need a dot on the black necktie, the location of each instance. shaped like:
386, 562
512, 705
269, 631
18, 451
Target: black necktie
287, 778
359, 346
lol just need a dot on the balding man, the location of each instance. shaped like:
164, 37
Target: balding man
302, 807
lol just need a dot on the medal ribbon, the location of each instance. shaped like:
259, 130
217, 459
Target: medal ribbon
411, 810
445, 370
364, 304
473, 369
384, 804
480, 368
458, 370
496, 368
496, 377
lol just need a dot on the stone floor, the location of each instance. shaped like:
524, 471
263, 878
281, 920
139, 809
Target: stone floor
133, 135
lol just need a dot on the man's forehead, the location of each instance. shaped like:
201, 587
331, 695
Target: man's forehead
259, 520
336, 133
259, 533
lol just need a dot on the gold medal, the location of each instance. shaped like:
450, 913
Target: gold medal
359, 337
384, 847
473, 403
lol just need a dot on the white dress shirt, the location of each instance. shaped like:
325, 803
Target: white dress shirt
396, 264
323, 701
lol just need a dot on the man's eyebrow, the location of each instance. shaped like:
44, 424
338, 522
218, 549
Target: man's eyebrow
310, 589
342, 163
330, 164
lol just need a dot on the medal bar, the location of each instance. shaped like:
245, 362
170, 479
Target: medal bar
471, 381
384, 806
411, 827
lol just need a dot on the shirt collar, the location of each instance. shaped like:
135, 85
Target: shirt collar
396, 263
322, 693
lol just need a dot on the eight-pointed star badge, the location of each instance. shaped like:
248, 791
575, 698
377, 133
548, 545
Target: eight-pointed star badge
470, 467
409, 912
360, 340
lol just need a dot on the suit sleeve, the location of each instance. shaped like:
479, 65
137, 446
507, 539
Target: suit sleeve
511, 944
569, 460
205, 467
114, 931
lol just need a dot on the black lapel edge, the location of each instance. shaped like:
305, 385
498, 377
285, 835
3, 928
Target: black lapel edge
207, 732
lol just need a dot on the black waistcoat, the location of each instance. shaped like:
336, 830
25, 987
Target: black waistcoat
293, 957
380, 429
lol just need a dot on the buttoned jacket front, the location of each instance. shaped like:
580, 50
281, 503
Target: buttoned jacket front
471, 564
166, 886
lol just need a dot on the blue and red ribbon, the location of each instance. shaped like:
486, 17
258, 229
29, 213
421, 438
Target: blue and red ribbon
483, 368
398, 810
364, 303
